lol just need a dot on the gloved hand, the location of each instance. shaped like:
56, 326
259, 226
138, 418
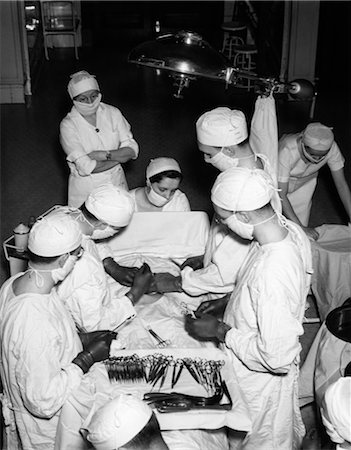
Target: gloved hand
97, 350
215, 307
311, 233
206, 328
141, 284
166, 282
86, 338
123, 275
195, 262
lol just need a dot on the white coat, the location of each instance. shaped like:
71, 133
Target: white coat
301, 175
78, 138
38, 342
265, 312
88, 295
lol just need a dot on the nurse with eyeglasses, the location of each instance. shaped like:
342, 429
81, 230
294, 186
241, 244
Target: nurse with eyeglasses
301, 156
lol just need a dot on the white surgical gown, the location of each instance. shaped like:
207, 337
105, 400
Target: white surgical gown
38, 343
265, 312
225, 252
78, 138
302, 176
95, 304
179, 202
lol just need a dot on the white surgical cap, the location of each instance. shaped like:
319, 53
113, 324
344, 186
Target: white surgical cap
159, 165
111, 204
318, 136
54, 236
117, 422
221, 127
338, 404
81, 82
242, 189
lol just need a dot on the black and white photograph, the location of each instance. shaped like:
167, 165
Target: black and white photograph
175, 198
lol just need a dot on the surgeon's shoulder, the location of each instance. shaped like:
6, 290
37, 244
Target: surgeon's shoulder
288, 141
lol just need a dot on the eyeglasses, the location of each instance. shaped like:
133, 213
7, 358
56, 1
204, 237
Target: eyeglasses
78, 252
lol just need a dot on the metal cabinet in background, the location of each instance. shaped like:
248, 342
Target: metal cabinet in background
61, 24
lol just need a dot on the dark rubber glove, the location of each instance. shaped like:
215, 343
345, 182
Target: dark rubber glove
141, 284
124, 275
195, 262
215, 307
86, 338
97, 350
166, 282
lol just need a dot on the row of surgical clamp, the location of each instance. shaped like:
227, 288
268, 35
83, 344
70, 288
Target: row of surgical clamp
154, 368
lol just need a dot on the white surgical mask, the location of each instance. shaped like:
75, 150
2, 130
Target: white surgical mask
245, 230
225, 159
62, 272
58, 274
104, 234
155, 198
311, 158
87, 109
221, 161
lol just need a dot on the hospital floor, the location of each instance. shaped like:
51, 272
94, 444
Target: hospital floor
33, 168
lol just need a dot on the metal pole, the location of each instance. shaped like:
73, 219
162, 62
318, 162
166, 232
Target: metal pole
285, 42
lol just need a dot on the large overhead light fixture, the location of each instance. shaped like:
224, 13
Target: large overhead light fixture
186, 56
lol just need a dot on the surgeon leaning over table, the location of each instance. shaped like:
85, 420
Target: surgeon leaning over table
94, 300
96, 138
42, 356
301, 156
263, 318
223, 138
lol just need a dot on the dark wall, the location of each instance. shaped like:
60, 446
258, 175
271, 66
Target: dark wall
114, 23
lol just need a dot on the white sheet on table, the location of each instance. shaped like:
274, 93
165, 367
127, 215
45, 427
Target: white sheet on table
163, 234
331, 280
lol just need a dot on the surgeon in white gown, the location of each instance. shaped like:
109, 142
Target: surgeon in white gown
96, 138
263, 318
223, 138
42, 357
94, 299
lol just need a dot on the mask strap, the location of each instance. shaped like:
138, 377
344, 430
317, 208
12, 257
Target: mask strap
39, 279
82, 216
282, 220
265, 220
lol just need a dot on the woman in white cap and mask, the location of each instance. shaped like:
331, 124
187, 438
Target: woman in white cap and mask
301, 156
124, 423
161, 193
94, 302
42, 356
96, 138
263, 319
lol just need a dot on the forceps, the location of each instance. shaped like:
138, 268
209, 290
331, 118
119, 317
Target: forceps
161, 342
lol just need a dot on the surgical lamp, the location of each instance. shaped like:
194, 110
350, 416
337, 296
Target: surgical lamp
186, 56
